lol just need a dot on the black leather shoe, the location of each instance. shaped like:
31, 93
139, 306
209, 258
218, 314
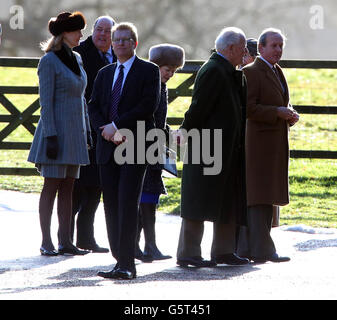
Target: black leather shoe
273, 258
231, 259
118, 273
151, 250
93, 247
48, 253
197, 262
276, 258
124, 274
144, 258
155, 255
258, 260
160, 257
107, 275
71, 251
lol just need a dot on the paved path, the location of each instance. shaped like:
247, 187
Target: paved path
25, 274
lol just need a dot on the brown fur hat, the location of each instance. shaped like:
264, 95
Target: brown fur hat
66, 22
167, 55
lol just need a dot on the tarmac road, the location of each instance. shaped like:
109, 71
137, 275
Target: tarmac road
25, 274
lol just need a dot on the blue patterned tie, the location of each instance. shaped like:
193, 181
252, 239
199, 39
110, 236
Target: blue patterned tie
116, 95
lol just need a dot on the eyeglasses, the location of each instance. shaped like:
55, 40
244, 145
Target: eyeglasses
121, 40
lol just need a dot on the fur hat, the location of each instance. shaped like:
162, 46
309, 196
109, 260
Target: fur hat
252, 47
167, 55
66, 22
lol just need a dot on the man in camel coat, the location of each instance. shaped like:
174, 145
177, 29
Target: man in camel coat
269, 116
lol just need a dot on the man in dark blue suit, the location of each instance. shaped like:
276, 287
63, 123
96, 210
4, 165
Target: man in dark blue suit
138, 82
96, 52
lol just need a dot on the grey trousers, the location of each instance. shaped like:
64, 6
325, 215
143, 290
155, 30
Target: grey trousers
191, 234
255, 240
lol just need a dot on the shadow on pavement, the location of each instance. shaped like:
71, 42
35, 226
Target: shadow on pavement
28, 263
195, 274
84, 277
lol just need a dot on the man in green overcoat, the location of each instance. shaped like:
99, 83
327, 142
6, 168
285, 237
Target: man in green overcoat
213, 180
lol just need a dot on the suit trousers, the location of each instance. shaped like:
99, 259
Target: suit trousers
85, 202
191, 234
255, 241
122, 186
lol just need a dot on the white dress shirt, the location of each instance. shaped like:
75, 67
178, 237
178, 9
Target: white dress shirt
127, 66
268, 63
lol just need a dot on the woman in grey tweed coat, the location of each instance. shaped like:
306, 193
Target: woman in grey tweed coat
60, 141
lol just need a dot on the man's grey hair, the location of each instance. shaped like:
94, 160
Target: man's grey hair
103, 17
227, 37
263, 36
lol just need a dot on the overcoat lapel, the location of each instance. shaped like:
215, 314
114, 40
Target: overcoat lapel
237, 76
271, 76
284, 82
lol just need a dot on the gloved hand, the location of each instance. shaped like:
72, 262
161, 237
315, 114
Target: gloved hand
90, 142
52, 147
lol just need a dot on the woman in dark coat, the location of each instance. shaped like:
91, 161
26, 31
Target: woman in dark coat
60, 141
169, 58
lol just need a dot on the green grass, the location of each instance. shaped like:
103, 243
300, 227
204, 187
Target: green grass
312, 86
313, 190
313, 183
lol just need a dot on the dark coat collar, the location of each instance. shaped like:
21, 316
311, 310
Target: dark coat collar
228, 66
88, 44
68, 59
87, 47
237, 74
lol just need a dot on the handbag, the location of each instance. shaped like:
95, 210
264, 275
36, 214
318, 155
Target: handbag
169, 161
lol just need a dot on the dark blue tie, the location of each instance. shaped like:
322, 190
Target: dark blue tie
116, 95
105, 58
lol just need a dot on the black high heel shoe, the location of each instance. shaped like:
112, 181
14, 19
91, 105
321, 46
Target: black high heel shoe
48, 253
71, 251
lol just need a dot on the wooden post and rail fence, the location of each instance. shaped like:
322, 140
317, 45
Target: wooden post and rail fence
26, 118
